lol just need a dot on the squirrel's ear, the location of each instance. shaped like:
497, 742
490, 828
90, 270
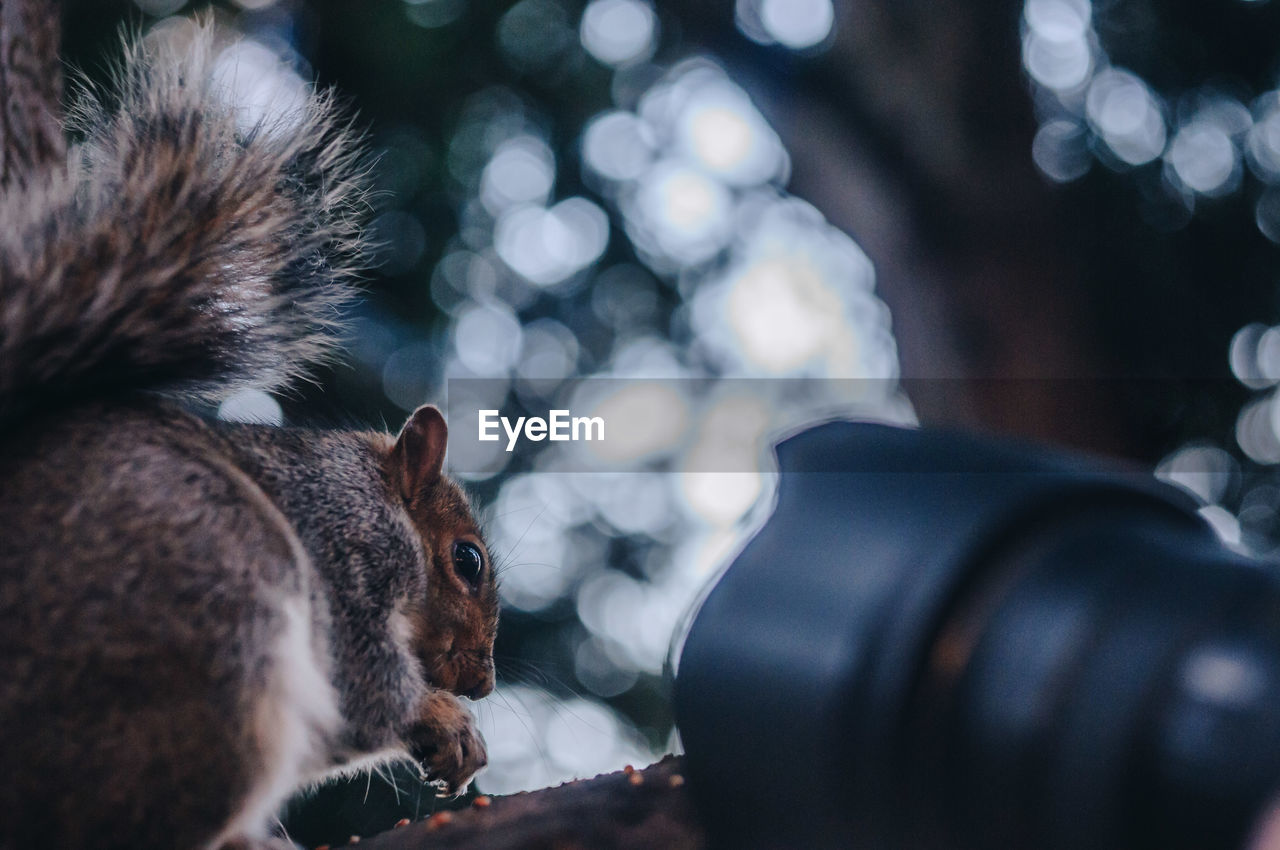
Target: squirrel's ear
418, 455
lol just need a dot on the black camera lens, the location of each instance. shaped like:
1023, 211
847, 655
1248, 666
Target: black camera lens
940, 641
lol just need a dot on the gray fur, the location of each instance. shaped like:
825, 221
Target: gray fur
174, 253
368, 558
196, 617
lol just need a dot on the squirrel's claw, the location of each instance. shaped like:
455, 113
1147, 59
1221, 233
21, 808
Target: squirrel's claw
446, 743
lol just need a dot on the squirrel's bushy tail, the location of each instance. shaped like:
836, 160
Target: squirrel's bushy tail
180, 251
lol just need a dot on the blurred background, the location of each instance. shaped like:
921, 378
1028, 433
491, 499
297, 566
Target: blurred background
1070, 209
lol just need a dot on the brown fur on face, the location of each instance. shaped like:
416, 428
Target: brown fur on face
455, 630
454, 627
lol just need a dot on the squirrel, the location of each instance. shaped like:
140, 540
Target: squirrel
197, 617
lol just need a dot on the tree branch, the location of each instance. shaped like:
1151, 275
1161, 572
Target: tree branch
648, 809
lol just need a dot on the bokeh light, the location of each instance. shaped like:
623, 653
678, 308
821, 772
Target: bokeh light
634, 439
534, 740
1267, 214
546, 246
1090, 108
1061, 150
521, 171
794, 24
1244, 356
1264, 137
1206, 471
797, 24
410, 375
680, 214
1124, 112
796, 301
1256, 430
647, 257
264, 90
534, 34
618, 146
693, 176
1059, 20
431, 14
251, 406
1062, 60
1224, 524
722, 132
1203, 157
619, 31
487, 339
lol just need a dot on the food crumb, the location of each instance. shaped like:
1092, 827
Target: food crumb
438, 820
355, 839
676, 780
636, 778
401, 822
323, 847
628, 770
481, 802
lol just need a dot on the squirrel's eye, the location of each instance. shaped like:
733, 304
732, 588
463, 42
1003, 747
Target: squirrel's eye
468, 561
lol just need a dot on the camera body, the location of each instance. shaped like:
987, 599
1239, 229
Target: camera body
940, 641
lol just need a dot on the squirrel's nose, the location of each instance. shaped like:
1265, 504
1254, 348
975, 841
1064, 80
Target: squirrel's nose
483, 680
475, 681
481, 690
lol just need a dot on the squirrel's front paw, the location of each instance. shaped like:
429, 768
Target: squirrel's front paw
445, 741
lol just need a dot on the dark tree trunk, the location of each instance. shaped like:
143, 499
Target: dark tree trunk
1019, 305
912, 132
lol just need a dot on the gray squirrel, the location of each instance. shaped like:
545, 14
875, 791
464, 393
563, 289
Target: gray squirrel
197, 617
